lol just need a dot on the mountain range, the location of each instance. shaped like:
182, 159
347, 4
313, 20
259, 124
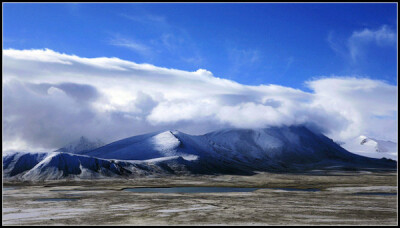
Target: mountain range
227, 151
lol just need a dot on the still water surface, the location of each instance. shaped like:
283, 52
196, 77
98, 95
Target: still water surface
207, 189
56, 199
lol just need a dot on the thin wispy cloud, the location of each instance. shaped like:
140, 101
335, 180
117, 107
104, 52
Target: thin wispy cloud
166, 41
242, 58
289, 63
360, 40
147, 18
357, 44
337, 45
195, 60
132, 45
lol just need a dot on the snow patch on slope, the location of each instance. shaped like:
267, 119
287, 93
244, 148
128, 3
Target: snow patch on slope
165, 143
143, 147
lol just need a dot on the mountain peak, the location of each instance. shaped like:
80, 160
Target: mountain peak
371, 147
81, 145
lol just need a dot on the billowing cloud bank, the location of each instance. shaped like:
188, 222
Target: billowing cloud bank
51, 98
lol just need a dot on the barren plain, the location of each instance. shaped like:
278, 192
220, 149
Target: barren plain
341, 198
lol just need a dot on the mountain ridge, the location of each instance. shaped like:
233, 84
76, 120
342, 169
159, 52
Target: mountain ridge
226, 151
80, 146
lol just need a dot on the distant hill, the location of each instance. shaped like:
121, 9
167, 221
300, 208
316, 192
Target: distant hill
371, 147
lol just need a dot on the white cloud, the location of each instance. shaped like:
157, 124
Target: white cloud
382, 36
51, 98
359, 40
361, 101
363, 44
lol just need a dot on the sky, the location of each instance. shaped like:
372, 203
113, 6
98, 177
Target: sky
110, 71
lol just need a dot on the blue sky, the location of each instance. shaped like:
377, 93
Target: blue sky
285, 44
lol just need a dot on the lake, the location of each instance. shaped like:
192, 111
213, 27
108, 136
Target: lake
208, 189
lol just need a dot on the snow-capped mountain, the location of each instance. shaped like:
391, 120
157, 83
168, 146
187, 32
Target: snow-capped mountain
371, 147
81, 145
228, 151
142, 147
58, 165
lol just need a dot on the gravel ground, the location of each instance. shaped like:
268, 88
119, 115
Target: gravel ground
104, 202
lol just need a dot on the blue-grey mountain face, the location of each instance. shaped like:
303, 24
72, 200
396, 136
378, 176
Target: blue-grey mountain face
80, 146
229, 151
